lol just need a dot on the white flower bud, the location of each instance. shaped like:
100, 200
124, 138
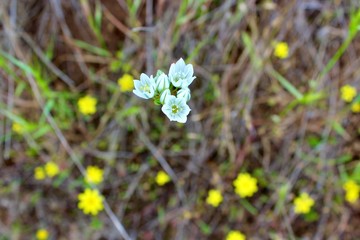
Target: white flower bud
164, 95
162, 82
184, 93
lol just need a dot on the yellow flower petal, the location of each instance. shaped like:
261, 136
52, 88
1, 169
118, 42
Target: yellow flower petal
94, 175
303, 203
214, 198
245, 185
348, 93
355, 107
162, 178
235, 235
42, 234
90, 202
126, 83
87, 105
39, 173
281, 50
51, 169
352, 190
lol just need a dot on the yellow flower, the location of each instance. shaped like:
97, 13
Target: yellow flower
348, 93
162, 178
352, 191
126, 83
235, 235
214, 198
39, 173
281, 50
303, 203
90, 202
87, 105
16, 127
42, 234
51, 169
355, 107
94, 175
245, 185
187, 214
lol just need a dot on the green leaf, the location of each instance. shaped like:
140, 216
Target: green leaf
98, 16
339, 129
283, 192
61, 178
250, 48
344, 159
23, 66
310, 98
313, 141
248, 206
287, 85
311, 216
93, 49
96, 223
356, 173
131, 111
205, 228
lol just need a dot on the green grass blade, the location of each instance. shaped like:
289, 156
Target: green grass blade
286, 84
93, 49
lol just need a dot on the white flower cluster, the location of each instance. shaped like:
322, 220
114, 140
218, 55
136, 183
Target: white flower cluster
170, 90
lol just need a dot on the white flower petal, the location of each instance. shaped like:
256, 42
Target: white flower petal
172, 69
140, 94
181, 112
182, 118
181, 63
189, 70
145, 87
137, 83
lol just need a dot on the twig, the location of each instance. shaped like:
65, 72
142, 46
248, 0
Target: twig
73, 156
149, 38
56, 5
164, 164
67, 146
46, 61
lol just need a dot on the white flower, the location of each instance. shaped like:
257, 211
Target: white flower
184, 93
162, 82
181, 75
145, 88
176, 109
164, 95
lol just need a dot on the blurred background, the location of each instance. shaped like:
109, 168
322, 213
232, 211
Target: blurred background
275, 105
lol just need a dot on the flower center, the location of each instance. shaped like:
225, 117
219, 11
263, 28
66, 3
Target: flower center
179, 76
174, 109
145, 88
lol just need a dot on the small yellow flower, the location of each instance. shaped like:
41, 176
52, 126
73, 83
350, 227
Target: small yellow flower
87, 105
348, 93
281, 50
214, 198
94, 175
42, 234
235, 235
51, 169
126, 83
162, 178
245, 185
303, 203
18, 128
187, 215
90, 201
39, 173
352, 190
355, 107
